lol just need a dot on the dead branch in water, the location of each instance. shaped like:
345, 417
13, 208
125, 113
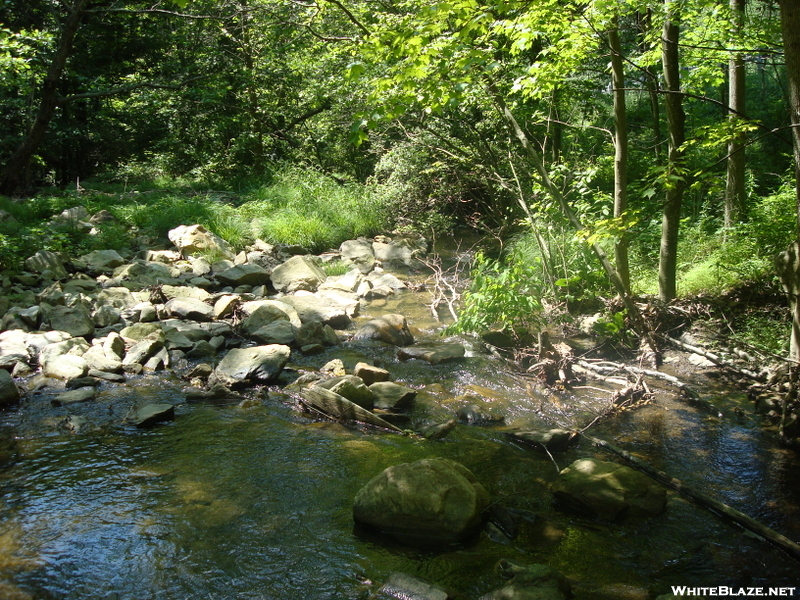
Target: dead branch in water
447, 283
717, 360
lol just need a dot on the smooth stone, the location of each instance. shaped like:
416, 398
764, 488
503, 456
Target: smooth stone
151, 414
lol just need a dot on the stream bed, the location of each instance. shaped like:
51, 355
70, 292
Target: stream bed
256, 503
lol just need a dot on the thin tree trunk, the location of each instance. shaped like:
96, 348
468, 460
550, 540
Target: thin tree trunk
735, 196
620, 154
676, 123
789, 262
651, 83
17, 164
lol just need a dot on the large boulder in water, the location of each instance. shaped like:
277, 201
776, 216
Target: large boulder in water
608, 490
430, 501
391, 328
9, 392
256, 364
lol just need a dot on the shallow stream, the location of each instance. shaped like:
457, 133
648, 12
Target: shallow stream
228, 502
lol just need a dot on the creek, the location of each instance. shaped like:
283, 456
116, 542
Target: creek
256, 503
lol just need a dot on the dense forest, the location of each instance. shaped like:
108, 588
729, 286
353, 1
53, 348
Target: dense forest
638, 147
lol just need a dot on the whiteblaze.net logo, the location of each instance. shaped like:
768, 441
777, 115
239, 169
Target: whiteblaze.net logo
723, 590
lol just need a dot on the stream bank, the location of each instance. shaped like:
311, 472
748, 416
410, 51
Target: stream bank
254, 500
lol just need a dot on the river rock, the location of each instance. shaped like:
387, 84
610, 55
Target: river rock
391, 328
151, 414
352, 388
381, 279
359, 253
552, 440
139, 331
82, 394
391, 396
277, 332
370, 374
97, 359
265, 313
226, 305
65, 366
608, 490
141, 274
189, 308
329, 311
431, 500
406, 587
47, 262
400, 253
75, 320
298, 273
196, 239
102, 260
532, 582
118, 296
107, 315
433, 353
254, 365
9, 393
243, 275
140, 352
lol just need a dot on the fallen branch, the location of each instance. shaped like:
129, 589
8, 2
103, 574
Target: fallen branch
717, 360
613, 368
705, 501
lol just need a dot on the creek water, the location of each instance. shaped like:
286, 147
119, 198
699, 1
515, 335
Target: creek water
255, 503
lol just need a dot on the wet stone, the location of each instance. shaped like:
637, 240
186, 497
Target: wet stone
152, 414
83, 394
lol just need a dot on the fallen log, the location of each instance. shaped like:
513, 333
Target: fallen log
705, 501
717, 360
339, 407
612, 368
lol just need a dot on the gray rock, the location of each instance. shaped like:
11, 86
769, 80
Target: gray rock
66, 366
189, 308
433, 353
252, 365
139, 331
151, 414
97, 359
438, 430
9, 393
226, 305
378, 279
533, 582
552, 440
277, 332
370, 374
608, 490
114, 346
263, 315
311, 332
45, 261
391, 328
75, 320
194, 239
298, 273
140, 352
358, 252
184, 291
432, 500
201, 349
103, 260
106, 316
312, 349
406, 587
120, 297
352, 388
107, 376
391, 396
248, 308
244, 275
329, 311
82, 394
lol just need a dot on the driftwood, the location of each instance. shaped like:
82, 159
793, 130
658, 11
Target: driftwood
614, 368
339, 407
720, 508
717, 360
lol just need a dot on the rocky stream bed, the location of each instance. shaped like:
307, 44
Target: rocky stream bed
249, 427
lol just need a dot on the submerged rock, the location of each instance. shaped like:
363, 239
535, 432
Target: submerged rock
151, 414
82, 394
552, 440
433, 353
406, 587
433, 500
9, 392
608, 490
533, 582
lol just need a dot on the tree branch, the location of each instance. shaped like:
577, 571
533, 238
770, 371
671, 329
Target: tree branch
129, 88
350, 16
150, 10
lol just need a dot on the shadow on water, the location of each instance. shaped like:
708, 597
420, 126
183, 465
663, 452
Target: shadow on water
256, 503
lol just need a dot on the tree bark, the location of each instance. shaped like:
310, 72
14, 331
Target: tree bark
620, 154
789, 262
735, 194
676, 124
14, 171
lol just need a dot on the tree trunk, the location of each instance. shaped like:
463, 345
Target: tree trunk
676, 124
735, 198
789, 261
15, 167
644, 21
620, 154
